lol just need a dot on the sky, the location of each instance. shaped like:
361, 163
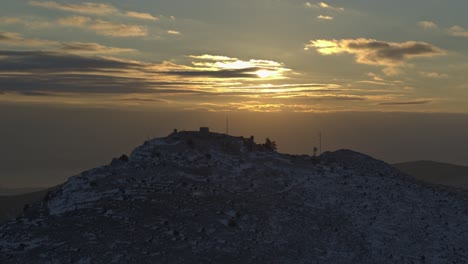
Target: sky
260, 55
354, 62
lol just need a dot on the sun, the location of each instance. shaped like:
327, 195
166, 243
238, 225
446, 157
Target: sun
264, 73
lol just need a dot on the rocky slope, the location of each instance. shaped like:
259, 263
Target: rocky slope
210, 198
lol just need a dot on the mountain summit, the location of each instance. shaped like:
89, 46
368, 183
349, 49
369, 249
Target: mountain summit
201, 197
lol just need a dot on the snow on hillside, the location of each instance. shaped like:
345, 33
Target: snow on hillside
210, 198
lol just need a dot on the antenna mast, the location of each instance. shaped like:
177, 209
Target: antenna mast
227, 125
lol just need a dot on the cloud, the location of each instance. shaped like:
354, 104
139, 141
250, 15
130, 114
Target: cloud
265, 69
323, 5
139, 15
59, 77
327, 97
318, 105
421, 102
318, 87
322, 17
90, 8
212, 57
74, 21
391, 55
10, 20
60, 72
327, 6
10, 38
427, 25
434, 75
458, 31
34, 93
103, 27
173, 32
15, 39
252, 106
143, 100
222, 73
87, 47
28, 21
233, 63
375, 77
41, 61
84, 8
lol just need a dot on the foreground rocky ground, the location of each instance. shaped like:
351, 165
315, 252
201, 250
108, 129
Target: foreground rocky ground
209, 198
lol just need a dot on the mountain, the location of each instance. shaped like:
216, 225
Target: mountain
200, 197
436, 173
18, 191
12, 205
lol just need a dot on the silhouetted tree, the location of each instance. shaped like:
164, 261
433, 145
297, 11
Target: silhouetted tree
270, 145
315, 158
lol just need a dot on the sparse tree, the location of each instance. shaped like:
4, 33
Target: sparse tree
270, 145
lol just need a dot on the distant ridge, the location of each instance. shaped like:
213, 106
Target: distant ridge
12, 205
19, 191
436, 172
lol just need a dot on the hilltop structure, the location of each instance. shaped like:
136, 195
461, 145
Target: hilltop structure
204, 130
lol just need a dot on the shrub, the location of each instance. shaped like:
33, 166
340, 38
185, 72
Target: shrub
190, 143
270, 145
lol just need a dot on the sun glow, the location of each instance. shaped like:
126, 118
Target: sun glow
264, 73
